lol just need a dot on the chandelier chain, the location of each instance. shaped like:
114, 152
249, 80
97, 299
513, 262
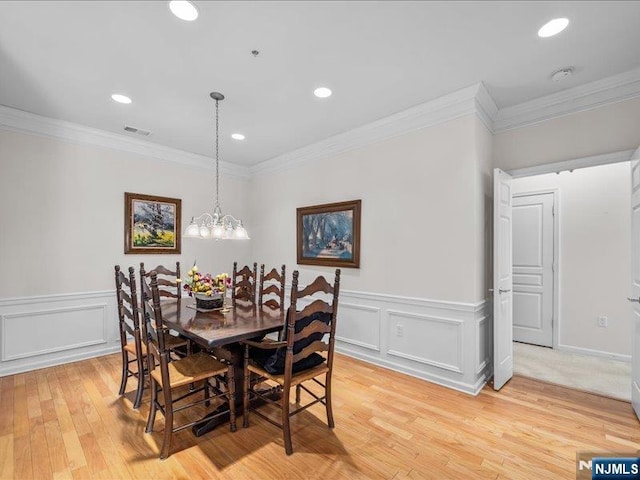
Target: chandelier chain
217, 156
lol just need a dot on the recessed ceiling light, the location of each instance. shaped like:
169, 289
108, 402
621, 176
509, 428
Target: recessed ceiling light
553, 27
183, 10
120, 98
322, 92
562, 74
237, 136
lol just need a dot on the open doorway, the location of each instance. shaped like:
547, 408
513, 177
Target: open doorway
571, 257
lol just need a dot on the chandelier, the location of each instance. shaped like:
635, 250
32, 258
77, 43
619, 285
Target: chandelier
216, 226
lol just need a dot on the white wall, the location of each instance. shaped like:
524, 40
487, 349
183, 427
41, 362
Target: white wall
606, 129
421, 205
594, 215
62, 211
423, 254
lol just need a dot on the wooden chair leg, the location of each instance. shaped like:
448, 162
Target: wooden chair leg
168, 423
286, 428
298, 388
231, 390
140, 389
328, 401
247, 386
206, 391
153, 407
125, 371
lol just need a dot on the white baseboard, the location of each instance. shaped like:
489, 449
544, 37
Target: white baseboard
594, 353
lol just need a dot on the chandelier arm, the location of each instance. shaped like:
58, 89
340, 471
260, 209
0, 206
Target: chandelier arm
206, 216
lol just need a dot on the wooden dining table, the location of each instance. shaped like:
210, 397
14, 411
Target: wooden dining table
219, 332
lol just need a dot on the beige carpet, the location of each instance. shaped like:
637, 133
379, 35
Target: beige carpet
594, 374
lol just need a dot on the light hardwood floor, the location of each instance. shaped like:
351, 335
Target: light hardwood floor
68, 422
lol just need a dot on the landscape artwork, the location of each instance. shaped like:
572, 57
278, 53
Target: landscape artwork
152, 224
329, 234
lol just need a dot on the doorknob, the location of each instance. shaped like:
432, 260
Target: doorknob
491, 290
633, 299
503, 291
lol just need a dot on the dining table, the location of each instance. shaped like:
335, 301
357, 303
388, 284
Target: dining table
220, 332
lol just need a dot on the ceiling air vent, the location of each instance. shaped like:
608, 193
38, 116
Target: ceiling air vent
138, 131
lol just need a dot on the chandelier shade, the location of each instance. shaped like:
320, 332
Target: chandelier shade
216, 225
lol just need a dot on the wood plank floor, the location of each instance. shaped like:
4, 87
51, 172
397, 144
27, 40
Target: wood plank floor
69, 422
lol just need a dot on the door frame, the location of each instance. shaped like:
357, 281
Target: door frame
556, 257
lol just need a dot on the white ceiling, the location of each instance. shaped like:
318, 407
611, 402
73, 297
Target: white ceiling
64, 59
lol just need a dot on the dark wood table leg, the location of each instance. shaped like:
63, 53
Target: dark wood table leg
231, 353
234, 354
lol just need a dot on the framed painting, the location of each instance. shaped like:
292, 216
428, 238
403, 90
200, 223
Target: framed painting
329, 234
151, 224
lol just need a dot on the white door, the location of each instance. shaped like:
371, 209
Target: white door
533, 237
635, 281
502, 280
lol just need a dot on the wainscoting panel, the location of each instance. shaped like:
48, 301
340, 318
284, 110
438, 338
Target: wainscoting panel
363, 328
442, 348
443, 342
448, 343
37, 332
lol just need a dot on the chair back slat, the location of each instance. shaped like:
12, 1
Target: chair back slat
316, 346
271, 289
314, 307
245, 271
166, 283
313, 327
243, 283
162, 270
272, 275
318, 285
272, 294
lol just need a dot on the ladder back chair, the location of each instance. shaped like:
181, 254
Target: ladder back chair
134, 350
169, 286
244, 283
173, 379
296, 359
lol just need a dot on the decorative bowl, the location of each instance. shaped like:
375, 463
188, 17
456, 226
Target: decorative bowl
209, 302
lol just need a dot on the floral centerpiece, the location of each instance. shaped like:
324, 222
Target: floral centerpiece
208, 290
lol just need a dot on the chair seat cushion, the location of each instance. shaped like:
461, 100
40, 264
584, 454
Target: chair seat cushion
273, 361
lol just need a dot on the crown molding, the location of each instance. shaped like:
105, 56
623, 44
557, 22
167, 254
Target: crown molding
473, 99
24, 122
612, 89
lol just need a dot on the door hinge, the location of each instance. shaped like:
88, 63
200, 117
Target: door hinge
553, 210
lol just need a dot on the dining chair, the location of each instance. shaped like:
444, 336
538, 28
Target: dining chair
295, 359
243, 286
169, 286
173, 378
132, 347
